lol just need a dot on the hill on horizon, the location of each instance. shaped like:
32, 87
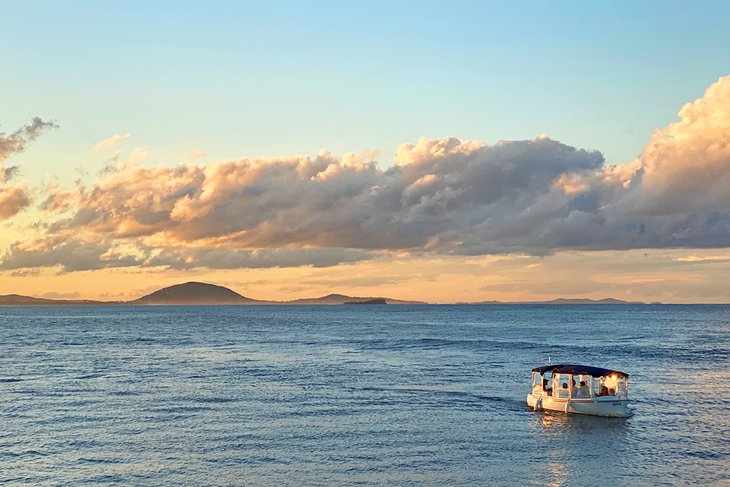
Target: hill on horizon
342, 299
19, 300
194, 293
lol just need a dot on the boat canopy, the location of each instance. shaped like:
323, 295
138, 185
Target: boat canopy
574, 369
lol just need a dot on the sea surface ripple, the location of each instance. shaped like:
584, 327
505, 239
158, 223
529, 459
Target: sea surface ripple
356, 395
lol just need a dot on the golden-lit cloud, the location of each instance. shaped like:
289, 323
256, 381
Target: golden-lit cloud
442, 197
298, 210
111, 142
686, 166
197, 154
14, 198
704, 258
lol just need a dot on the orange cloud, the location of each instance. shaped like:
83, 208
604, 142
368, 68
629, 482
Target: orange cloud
111, 142
686, 166
12, 201
197, 154
442, 197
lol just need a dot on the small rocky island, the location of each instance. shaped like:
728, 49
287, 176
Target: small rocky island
368, 301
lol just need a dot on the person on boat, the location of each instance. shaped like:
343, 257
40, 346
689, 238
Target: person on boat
604, 391
582, 390
548, 390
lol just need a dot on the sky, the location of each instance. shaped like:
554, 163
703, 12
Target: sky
447, 152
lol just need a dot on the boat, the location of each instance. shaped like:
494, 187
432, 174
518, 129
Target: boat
580, 389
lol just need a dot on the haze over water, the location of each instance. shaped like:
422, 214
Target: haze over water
347, 395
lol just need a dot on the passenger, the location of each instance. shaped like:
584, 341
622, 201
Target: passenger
611, 392
583, 390
604, 391
548, 390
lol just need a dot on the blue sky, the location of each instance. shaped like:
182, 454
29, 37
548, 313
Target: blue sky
271, 78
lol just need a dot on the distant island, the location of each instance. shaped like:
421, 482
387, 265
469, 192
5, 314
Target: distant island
567, 301
343, 299
369, 301
18, 300
199, 293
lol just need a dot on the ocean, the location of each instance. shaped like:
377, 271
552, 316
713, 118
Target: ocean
356, 395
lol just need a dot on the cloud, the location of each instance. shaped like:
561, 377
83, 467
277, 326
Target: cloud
686, 166
296, 210
439, 186
26, 272
69, 253
445, 196
188, 258
700, 259
111, 142
57, 295
73, 254
7, 173
674, 195
14, 199
15, 142
197, 154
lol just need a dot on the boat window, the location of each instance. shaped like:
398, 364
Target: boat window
561, 385
595, 386
582, 387
542, 383
548, 380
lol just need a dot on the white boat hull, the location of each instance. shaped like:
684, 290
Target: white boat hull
597, 406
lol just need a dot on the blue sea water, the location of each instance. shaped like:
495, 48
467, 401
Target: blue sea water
356, 395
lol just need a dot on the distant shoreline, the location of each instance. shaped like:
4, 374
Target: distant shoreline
203, 294
275, 304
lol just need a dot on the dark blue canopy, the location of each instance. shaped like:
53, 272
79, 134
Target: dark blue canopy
578, 370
